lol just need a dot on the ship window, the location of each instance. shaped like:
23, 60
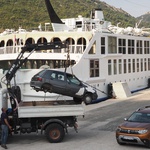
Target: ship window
145, 64
28, 65
137, 64
102, 45
133, 65
30, 41
81, 45
79, 24
115, 66
120, 66
93, 49
125, 66
146, 47
129, 65
112, 45
2, 43
130, 46
93, 26
148, 63
109, 68
71, 44
34, 65
141, 64
122, 46
139, 47
9, 42
94, 68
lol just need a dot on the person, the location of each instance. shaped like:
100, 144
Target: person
5, 128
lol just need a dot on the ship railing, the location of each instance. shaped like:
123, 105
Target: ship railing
76, 48
80, 48
7, 50
1, 50
72, 49
51, 51
10, 49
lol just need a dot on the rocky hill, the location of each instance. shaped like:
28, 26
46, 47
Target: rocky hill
145, 17
29, 13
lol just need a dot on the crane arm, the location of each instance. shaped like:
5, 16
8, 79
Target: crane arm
30, 48
20, 60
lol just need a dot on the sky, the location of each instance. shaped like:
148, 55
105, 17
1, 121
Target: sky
135, 8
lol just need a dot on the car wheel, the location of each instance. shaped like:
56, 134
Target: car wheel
87, 99
47, 88
55, 133
77, 100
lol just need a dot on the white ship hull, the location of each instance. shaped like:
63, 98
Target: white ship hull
98, 56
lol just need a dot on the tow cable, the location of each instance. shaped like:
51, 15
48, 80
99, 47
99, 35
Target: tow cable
68, 64
99, 90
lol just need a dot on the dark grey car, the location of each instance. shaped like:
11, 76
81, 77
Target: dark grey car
63, 83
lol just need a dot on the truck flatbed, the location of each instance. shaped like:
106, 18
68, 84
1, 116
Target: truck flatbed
49, 109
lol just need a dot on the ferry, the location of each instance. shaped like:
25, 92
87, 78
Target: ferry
114, 60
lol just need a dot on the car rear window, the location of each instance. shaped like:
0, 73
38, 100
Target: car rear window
41, 72
47, 74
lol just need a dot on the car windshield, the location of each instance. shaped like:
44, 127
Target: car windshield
140, 117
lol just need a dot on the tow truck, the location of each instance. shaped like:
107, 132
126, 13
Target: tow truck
52, 117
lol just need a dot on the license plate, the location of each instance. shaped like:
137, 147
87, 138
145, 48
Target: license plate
128, 138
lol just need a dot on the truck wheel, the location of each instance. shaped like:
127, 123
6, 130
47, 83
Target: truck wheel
55, 133
87, 99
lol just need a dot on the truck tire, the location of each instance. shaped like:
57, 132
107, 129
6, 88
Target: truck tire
54, 133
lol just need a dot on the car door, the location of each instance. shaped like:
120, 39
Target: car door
74, 86
58, 82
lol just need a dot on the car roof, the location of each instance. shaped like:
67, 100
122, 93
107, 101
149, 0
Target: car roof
59, 71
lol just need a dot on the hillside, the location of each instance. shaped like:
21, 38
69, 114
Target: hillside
29, 13
145, 17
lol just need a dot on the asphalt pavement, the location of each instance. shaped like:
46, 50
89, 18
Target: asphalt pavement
96, 130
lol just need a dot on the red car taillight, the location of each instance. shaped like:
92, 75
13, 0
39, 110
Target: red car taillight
39, 79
